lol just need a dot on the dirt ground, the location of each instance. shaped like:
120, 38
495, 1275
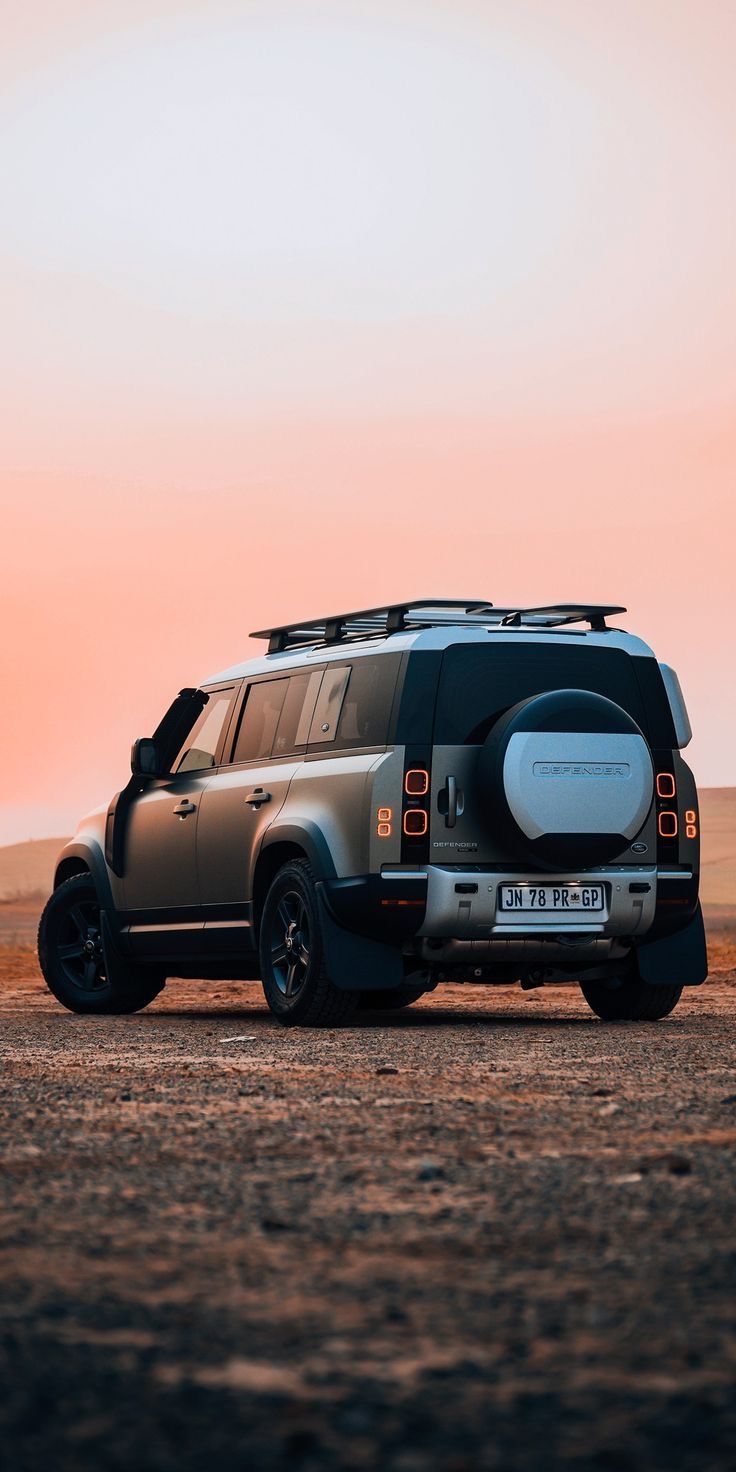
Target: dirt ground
487, 1233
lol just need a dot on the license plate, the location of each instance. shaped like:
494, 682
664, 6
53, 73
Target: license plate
553, 899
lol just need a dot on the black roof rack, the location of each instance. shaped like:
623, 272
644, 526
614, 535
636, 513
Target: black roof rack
423, 613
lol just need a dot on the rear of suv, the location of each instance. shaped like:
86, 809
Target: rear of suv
429, 792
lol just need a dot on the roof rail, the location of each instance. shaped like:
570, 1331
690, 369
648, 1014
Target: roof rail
422, 613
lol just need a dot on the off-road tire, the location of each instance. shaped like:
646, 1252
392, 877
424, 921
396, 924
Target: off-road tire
633, 1001
101, 984
391, 999
315, 1002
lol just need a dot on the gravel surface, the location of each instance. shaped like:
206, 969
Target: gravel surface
490, 1232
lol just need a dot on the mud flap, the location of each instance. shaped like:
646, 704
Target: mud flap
355, 962
676, 960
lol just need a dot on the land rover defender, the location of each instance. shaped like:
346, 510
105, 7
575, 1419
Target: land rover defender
433, 791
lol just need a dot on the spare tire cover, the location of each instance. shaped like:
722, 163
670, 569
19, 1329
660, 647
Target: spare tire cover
567, 778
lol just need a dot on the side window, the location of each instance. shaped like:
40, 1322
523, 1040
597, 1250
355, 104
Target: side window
329, 704
199, 750
264, 703
296, 712
355, 703
366, 709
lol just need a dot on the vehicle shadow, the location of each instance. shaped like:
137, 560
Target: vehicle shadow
419, 1020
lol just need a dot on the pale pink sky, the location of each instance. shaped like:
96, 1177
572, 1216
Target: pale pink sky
306, 306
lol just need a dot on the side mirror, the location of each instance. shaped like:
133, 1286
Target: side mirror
144, 758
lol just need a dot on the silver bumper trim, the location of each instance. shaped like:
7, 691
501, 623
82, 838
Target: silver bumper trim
474, 915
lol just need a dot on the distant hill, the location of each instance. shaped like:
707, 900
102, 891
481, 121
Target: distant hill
718, 876
27, 869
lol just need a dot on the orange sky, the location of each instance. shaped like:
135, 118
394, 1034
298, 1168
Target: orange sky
309, 306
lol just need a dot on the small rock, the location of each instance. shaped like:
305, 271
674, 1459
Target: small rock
387, 1068
395, 1314
628, 1180
606, 1110
429, 1170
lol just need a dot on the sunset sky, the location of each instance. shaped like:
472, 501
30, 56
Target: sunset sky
309, 306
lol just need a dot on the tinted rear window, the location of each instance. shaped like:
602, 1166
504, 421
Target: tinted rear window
367, 700
478, 682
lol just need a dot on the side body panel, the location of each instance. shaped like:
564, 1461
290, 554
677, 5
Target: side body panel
160, 844
334, 793
231, 830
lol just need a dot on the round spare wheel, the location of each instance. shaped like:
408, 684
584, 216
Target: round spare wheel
567, 778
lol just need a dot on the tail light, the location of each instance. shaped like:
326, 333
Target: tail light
691, 823
416, 822
416, 782
667, 824
666, 785
415, 806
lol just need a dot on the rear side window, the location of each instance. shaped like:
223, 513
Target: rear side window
362, 699
264, 703
479, 682
296, 712
277, 716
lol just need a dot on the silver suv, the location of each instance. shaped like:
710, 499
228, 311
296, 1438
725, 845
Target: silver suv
433, 791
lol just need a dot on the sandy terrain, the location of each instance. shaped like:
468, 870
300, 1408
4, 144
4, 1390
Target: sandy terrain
488, 1233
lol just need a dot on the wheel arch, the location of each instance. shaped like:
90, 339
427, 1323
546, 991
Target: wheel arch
81, 858
68, 868
282, 842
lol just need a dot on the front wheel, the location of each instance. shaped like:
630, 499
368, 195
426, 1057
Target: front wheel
76, 965
293, 971
632, 1001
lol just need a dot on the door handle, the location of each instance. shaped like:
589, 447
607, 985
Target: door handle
256, 797
451, 817
450, 802
183, 809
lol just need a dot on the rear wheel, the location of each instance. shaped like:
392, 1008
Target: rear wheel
77, 967
632, 1001
293, 971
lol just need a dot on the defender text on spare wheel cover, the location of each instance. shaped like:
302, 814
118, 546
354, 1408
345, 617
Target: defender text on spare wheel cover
430, 791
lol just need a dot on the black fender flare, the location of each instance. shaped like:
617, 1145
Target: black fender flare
307, 836
92, 856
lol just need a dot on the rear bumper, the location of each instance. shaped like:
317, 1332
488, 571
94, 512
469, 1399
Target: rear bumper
448, 919
460, 903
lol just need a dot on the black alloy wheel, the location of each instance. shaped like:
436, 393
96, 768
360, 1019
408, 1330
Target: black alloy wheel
79, 965
290, 944
79, 945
